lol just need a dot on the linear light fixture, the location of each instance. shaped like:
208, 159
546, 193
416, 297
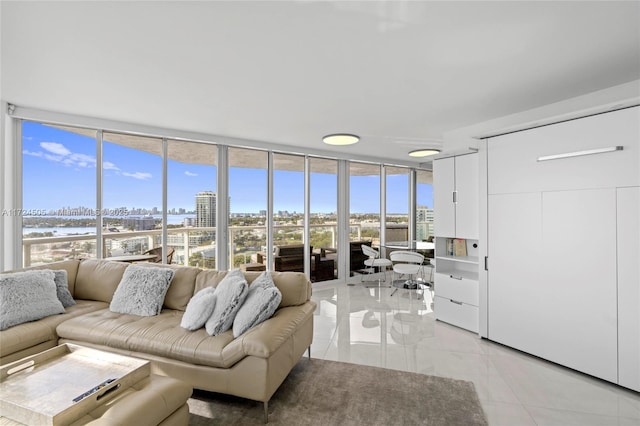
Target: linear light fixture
581, 153
340, 139
424, 152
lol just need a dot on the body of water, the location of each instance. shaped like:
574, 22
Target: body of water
176, 219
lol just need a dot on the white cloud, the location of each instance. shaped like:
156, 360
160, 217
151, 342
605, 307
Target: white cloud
55, 158
188, 173
34, 154
107, 165
83, 160
55, 148
138, 175
58, 153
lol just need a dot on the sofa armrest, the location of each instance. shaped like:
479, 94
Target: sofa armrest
267, 337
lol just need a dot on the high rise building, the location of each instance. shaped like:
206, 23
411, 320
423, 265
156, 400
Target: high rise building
143, 223
206, 202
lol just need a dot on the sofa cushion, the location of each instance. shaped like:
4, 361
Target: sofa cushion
62, 288
141, 291
160, 335
182, 285
30, 334
262, 301
27, 296
199, 309
98, 279
230, 295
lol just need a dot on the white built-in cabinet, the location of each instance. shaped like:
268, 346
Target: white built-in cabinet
455, 183
628, 249
563, 279
455, 196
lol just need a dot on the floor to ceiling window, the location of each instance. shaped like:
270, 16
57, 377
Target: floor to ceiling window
192, 203
397, 208
131, 193
58, 193
323, 224
138, 206
247, 203
288, 199
364, 211
424, 209
424, 205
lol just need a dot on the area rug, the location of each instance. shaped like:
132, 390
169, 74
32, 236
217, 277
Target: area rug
319, 392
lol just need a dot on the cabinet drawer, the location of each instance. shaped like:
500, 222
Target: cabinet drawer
450, 286
456, 313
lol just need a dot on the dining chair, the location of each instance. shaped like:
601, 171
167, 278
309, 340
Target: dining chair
374, 262
157, 251
406, 263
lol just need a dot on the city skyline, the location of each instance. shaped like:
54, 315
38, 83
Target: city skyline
133, 178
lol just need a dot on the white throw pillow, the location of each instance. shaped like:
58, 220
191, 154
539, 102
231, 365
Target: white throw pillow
230, 294
261, 302
199, 309
27, 296
141, 290
62, 288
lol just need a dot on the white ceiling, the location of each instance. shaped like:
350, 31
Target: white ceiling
398, 73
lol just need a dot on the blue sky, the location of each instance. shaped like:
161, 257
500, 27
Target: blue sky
59, 170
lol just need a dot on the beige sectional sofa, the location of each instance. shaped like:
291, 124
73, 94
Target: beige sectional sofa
251, 366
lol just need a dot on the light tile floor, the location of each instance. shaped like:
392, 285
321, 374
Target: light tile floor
368, 326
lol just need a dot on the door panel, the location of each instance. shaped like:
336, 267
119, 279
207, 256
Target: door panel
466, 170
515, 303
444, 214
629, 287
579, 281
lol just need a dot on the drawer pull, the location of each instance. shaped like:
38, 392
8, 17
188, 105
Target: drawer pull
455, 278
456, 302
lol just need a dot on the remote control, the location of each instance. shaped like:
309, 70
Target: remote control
93, 390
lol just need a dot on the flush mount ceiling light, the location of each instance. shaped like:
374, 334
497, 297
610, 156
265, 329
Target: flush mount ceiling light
424, 152
340, 139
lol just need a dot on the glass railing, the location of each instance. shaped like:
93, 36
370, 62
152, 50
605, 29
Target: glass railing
191, 246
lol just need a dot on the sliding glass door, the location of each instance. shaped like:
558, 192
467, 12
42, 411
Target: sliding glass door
247, 204
364, 211
59, 217
323, 226
397, 205
192, 203
131, 194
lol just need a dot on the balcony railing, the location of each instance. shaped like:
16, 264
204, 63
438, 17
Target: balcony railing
193, 246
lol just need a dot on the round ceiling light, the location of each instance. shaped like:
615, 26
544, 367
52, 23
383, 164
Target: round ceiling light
424, 152
340, 139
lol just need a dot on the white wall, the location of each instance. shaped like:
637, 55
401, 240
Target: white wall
602, 100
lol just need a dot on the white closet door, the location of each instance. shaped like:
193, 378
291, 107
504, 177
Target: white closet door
467, 196
629, 287
516, 306
579, 325
444, 213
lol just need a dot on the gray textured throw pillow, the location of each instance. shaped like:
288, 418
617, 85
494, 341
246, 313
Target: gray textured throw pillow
230, 294
261, 302
62, 288
141, 290
27, 296
199, 309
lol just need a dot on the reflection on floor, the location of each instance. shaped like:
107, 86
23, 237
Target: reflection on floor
367, 326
